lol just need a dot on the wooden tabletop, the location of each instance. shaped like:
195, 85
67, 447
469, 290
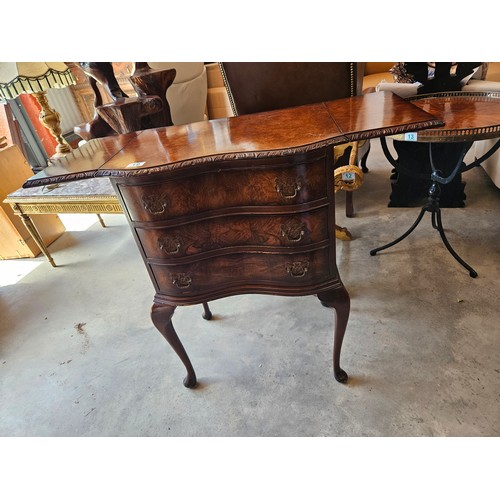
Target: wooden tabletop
467, 116
270, 134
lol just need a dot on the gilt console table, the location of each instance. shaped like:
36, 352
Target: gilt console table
238, 205
88, 196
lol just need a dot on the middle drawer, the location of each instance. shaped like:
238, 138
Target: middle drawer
235, 231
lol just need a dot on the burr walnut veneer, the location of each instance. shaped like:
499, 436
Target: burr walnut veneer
238, 205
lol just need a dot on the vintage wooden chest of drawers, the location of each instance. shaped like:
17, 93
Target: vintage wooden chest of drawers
238, 205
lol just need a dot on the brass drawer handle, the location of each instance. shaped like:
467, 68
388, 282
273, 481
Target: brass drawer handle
293, 230
169, 245
297, 269
182, 280
155, 203
288, 188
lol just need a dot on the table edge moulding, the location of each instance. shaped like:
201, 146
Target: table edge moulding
238, 205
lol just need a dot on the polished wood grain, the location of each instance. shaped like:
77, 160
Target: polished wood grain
230, 274
234, 227
278, 231
225, 185
467, 116
83, 162
239, 205
260, 135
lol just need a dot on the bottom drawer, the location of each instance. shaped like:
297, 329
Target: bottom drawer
243, 269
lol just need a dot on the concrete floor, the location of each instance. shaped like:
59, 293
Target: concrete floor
79, 355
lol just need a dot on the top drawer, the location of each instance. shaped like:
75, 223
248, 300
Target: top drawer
288, 185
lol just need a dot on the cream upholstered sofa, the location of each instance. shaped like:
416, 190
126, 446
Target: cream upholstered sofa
198, 92
187, 96
490, 84
376, 73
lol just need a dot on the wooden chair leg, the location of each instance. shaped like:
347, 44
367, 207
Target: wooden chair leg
349, 206
364, 168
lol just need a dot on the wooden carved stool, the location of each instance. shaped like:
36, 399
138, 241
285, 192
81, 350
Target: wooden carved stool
132, 113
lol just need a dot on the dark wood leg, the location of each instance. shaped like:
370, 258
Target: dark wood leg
338, 299
364, 168
349, 207
161, 315
207, 314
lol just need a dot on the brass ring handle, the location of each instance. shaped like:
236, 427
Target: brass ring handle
291, 238
156, 212
169, 245
288, 188
155, 204
297, 269
293, 231
182, 280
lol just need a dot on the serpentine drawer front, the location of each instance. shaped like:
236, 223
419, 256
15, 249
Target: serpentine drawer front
226, 187
234, 231
220, 274
264, 225
238, 205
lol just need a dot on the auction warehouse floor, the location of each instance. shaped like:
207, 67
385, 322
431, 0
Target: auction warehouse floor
79, 355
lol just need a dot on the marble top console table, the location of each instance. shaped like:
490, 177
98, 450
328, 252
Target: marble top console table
238, 205
88, 196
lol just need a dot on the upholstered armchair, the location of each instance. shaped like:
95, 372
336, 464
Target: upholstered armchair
255, 87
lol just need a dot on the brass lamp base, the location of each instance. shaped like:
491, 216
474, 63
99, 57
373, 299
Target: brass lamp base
51, 119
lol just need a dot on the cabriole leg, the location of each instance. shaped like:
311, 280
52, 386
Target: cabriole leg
161, 315
207, 313
338, 299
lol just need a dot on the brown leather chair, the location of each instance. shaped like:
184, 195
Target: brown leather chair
254, 87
